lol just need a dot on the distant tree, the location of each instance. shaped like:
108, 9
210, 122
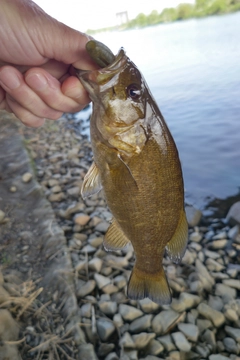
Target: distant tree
153, 18
184, 11
168, 14
217, 7
141, 20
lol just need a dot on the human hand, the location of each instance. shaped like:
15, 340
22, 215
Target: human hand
37, 57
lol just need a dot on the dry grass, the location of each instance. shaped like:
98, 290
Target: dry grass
40, 324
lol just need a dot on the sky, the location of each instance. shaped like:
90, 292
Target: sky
96, 14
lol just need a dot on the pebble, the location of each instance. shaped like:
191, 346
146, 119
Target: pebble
233, 332
86, 351
209, 338
142, 340
232, 283
191, 331
112, 356
226, 292
141, 324
233, 215
211, 254
120, 281
230, 345
205, 278
215, 316
95, 241
110, 289
233, 232
86, 289
215, 302
203, 350
86, 310
213, 265
74, 191
220, 235
56, 189
2, 215
167, 343
129, 355
102, 226
95, 264
231, 315
53, 182
56, 197
154, 347
105, 348
129, 313
89, 249
126, 341
150, 357
218, 357
81, 219
105, 328
148, 306
27, 177
118, 321
219, 244
193, 215
181, 342
203, 324
164, 320
119, 261
207, 265
101, 280
13, 189
185, 301
195, 236
108, 307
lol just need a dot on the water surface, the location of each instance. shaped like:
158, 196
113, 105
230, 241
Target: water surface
193, 71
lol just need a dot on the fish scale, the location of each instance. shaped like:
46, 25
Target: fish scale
136, 164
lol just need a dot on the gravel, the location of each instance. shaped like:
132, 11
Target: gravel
203, 320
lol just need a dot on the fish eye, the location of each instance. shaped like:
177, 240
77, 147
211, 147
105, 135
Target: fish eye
133, 91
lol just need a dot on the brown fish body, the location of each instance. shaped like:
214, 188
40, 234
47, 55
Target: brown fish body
137, 165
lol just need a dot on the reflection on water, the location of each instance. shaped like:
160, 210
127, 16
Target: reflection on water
193, 70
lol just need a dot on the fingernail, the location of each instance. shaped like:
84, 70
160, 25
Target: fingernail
36, 81
9, 80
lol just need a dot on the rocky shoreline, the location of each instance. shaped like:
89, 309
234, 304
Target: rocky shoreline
203, 321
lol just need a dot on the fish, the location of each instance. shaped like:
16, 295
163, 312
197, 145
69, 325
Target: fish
136, 164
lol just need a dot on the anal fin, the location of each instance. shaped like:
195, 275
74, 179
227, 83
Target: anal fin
92, 182
177, 245
115, 238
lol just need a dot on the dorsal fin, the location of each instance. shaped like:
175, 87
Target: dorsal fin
92, 182
115, 238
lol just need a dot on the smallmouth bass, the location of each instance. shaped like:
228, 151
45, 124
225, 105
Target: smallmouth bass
136, 164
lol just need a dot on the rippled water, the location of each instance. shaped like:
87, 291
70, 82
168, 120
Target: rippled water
193, 71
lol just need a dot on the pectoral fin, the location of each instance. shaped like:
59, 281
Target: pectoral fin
114, 238
92, 182
177, 245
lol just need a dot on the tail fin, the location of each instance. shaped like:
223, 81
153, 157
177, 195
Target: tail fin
154, 286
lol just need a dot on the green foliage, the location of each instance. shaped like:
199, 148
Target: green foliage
183, 11
168, 14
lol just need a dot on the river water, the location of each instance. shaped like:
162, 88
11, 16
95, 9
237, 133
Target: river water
193, 70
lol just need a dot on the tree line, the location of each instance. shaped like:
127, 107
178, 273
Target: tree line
184, 11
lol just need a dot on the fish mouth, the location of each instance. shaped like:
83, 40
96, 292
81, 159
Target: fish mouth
91, 79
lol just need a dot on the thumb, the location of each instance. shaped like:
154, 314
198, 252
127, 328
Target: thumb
67, 45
